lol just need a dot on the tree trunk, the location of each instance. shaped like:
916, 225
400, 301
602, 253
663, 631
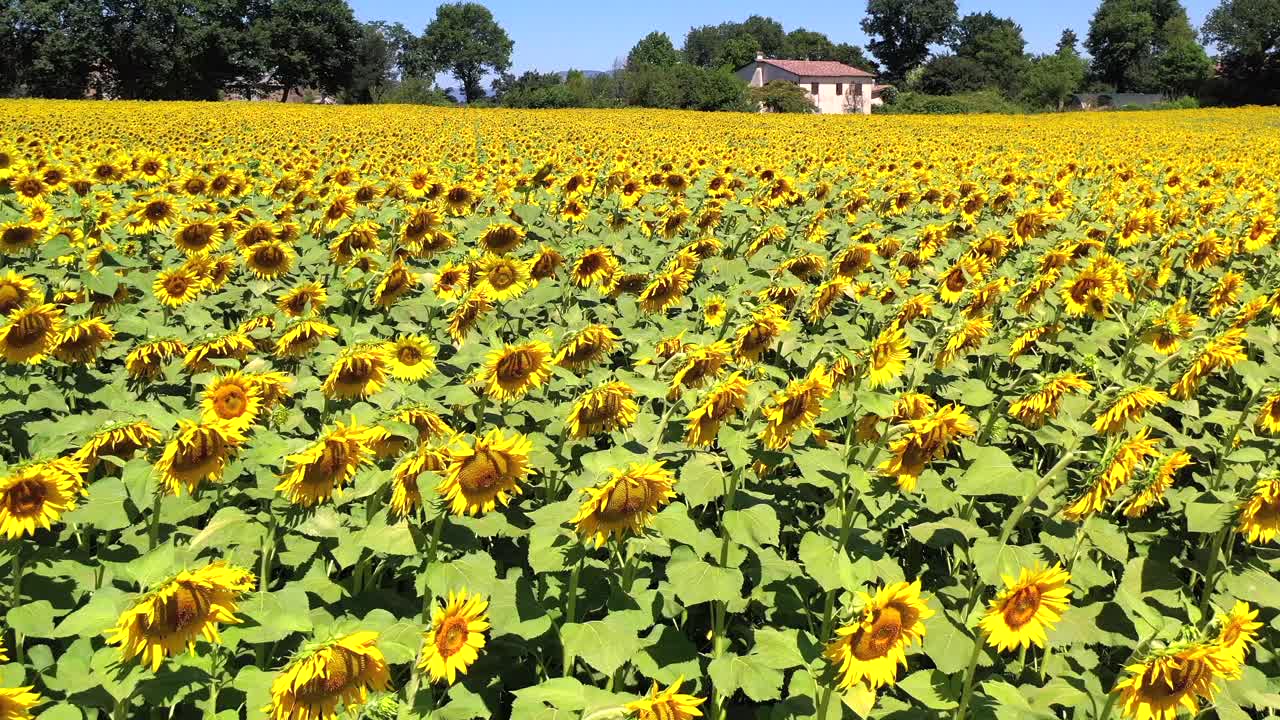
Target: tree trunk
284, 93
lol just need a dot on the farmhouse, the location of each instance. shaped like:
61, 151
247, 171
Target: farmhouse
833, 86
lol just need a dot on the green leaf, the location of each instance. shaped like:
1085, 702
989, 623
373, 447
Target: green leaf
226, 526
105, 507
934, 689
701, 480
754, 527
751, 674
34, 619
1208, 517
994, 561
948, 645
279, 613
607, 644
697, 581
1012, 703
992, 472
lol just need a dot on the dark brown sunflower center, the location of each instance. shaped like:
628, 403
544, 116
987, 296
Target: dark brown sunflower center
459, 196
625, 500
355, 373
28, 331
177, 285
18, 236
502, 276
589, 265
187, 606
1022, 607
157, 211
203, 447
269, 256
329, 466
1083, 287
342, 670
881, 637
479, 473
794, 407
515, 367
1181, 680
26, 498
501, 239
451, 636
409, 355
11, 296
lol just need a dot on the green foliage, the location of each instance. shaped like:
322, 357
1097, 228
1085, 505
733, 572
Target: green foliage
1247, 36
653, 50
952, 75
1053, 79
783, 97
1182, 67
307, 43
724, 45
465, 39
411, 91
916, 103
997, 47
901, 31
1127, 36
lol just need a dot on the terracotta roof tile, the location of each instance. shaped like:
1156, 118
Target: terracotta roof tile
817, 68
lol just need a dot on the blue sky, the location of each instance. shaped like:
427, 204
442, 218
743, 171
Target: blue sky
590, 35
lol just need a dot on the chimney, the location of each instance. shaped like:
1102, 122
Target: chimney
759, 56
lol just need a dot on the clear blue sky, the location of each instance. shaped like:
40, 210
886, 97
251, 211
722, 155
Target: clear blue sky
565, 34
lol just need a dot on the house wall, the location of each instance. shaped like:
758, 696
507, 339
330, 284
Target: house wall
826, 100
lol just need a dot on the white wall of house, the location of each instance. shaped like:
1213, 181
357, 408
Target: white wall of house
835, 95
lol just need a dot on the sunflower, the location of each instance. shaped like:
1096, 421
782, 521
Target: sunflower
29, 333
16, 703
468, 313
406, 495
1174, 678
625, 503
1090, 292
665, 290
725, 400
455, 638
80, 342
546, 263
702, 364
231, 346
411, 357
1129, 407
753, 339
602, 410
1260, 516
197, 453
796, 407
419, 225
451, 281
870, 650
269, 260
199, 236
359, 372
157, 214
119, 440
272, 386
1131, 455
459, 199
594, 267
16, 237
15, 292
1174, 326
234, 399
669, 704
968, 337
1220, 352
1031, 339
177, 612
484, 474
143, 362
302, 336
586, 347
396, 282
322, 676
502, 238
1026, 608
327, 465
926, 439
301, 298
714, 311
1035, 408
1237, 630
36, 495
503, 278
888, 357
513, 370
178, 286
1269, 415
1153, 493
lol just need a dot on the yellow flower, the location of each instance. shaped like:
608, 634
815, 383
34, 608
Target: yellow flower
1031, 338
231, 346
487, 473
503, 278
197, 453
1269, 415
1237, 630
232, 398
926, 439
796, 407
36, 495
594, 267
451, 281
198, 236
395, 283
870, 650
316, 681
1129, 407
753, 339
714, 311
178, 286
269, 260
1159, 686
1153, 494
602, 410
412, 357
1120, 467
302, 336
701, 365
725, 400
120, 440
1220, 352
455, 638
15, 291
968, 337
80, 342
669, 704
502, 238
586, 347
359, 372
327, 465
625, 503
171, 617
307, 296
29, 333
16, 703
888, 357
1260, 517
512, 371
144, 361
1032, 410
468, 313
665, 290
1026, 608
406, 494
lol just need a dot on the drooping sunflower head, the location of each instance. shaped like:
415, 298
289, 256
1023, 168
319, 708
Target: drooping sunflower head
871, 649
754, 338
726, 399
487, 473
395, 283
178, 286
1174, 678
325, 675
120, 440
179, 611
29, 332
16, 291
1238, 630
796, 407
455, 638
546, 263
468, 313
594, 267
81, 341
625, 503
888, 356
702, 364
502, 238
359, 372
308, 296
233, 398
144, 361
1269, 415
234, 345
512, 371
197, 453
587, 347
1026, 608
602, 410
1260, 516
327, 465
406, 490
16, 702
665, 289
412, 357
36, 495
302, 336
668, 704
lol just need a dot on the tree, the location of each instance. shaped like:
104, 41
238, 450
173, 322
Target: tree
465, 39
1068, 42
308, 43
901, 31
1053, 79
802, 44
853, 56
726, 44
1247, 36
1182, 68
654, 49
51, 48
781, 96
1127, 36
952, 74
375, 60
996, 45
740, 50
766, 31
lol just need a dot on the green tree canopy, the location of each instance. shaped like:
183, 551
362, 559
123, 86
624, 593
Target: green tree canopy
901, 31
1126, 36
1182, 68
1053, 79
654, 49
996, 45
802, 44
853, 56
1247, 36
308, 43
724, 45
952, 74
783, 97
50, 47
466, 40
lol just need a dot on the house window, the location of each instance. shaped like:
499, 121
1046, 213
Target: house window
813, 88
839, 88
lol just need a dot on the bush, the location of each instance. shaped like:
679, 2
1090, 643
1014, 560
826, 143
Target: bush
952, 75
781, 96
412, 91
915, 103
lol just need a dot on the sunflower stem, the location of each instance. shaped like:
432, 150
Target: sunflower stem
153, 534
1229, 442
571, 609
967, 693
1211, 569
212, 710
1012, 523
17, 598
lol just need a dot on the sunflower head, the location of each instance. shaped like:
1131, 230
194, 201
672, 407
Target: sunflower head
178, 286
1026, 608
604, 409
668, 704
455, 638
29, 333
233, 398
197, 453
871, 649
486, 473
327, 465
511, 372
587, 347
15, 292
502, 238
36, 495
412, 357
503, 277
625, 503
1173, 678
120, 440
325, 675
359, 372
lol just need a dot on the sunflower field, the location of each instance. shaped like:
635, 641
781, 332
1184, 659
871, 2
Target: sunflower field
393, 412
